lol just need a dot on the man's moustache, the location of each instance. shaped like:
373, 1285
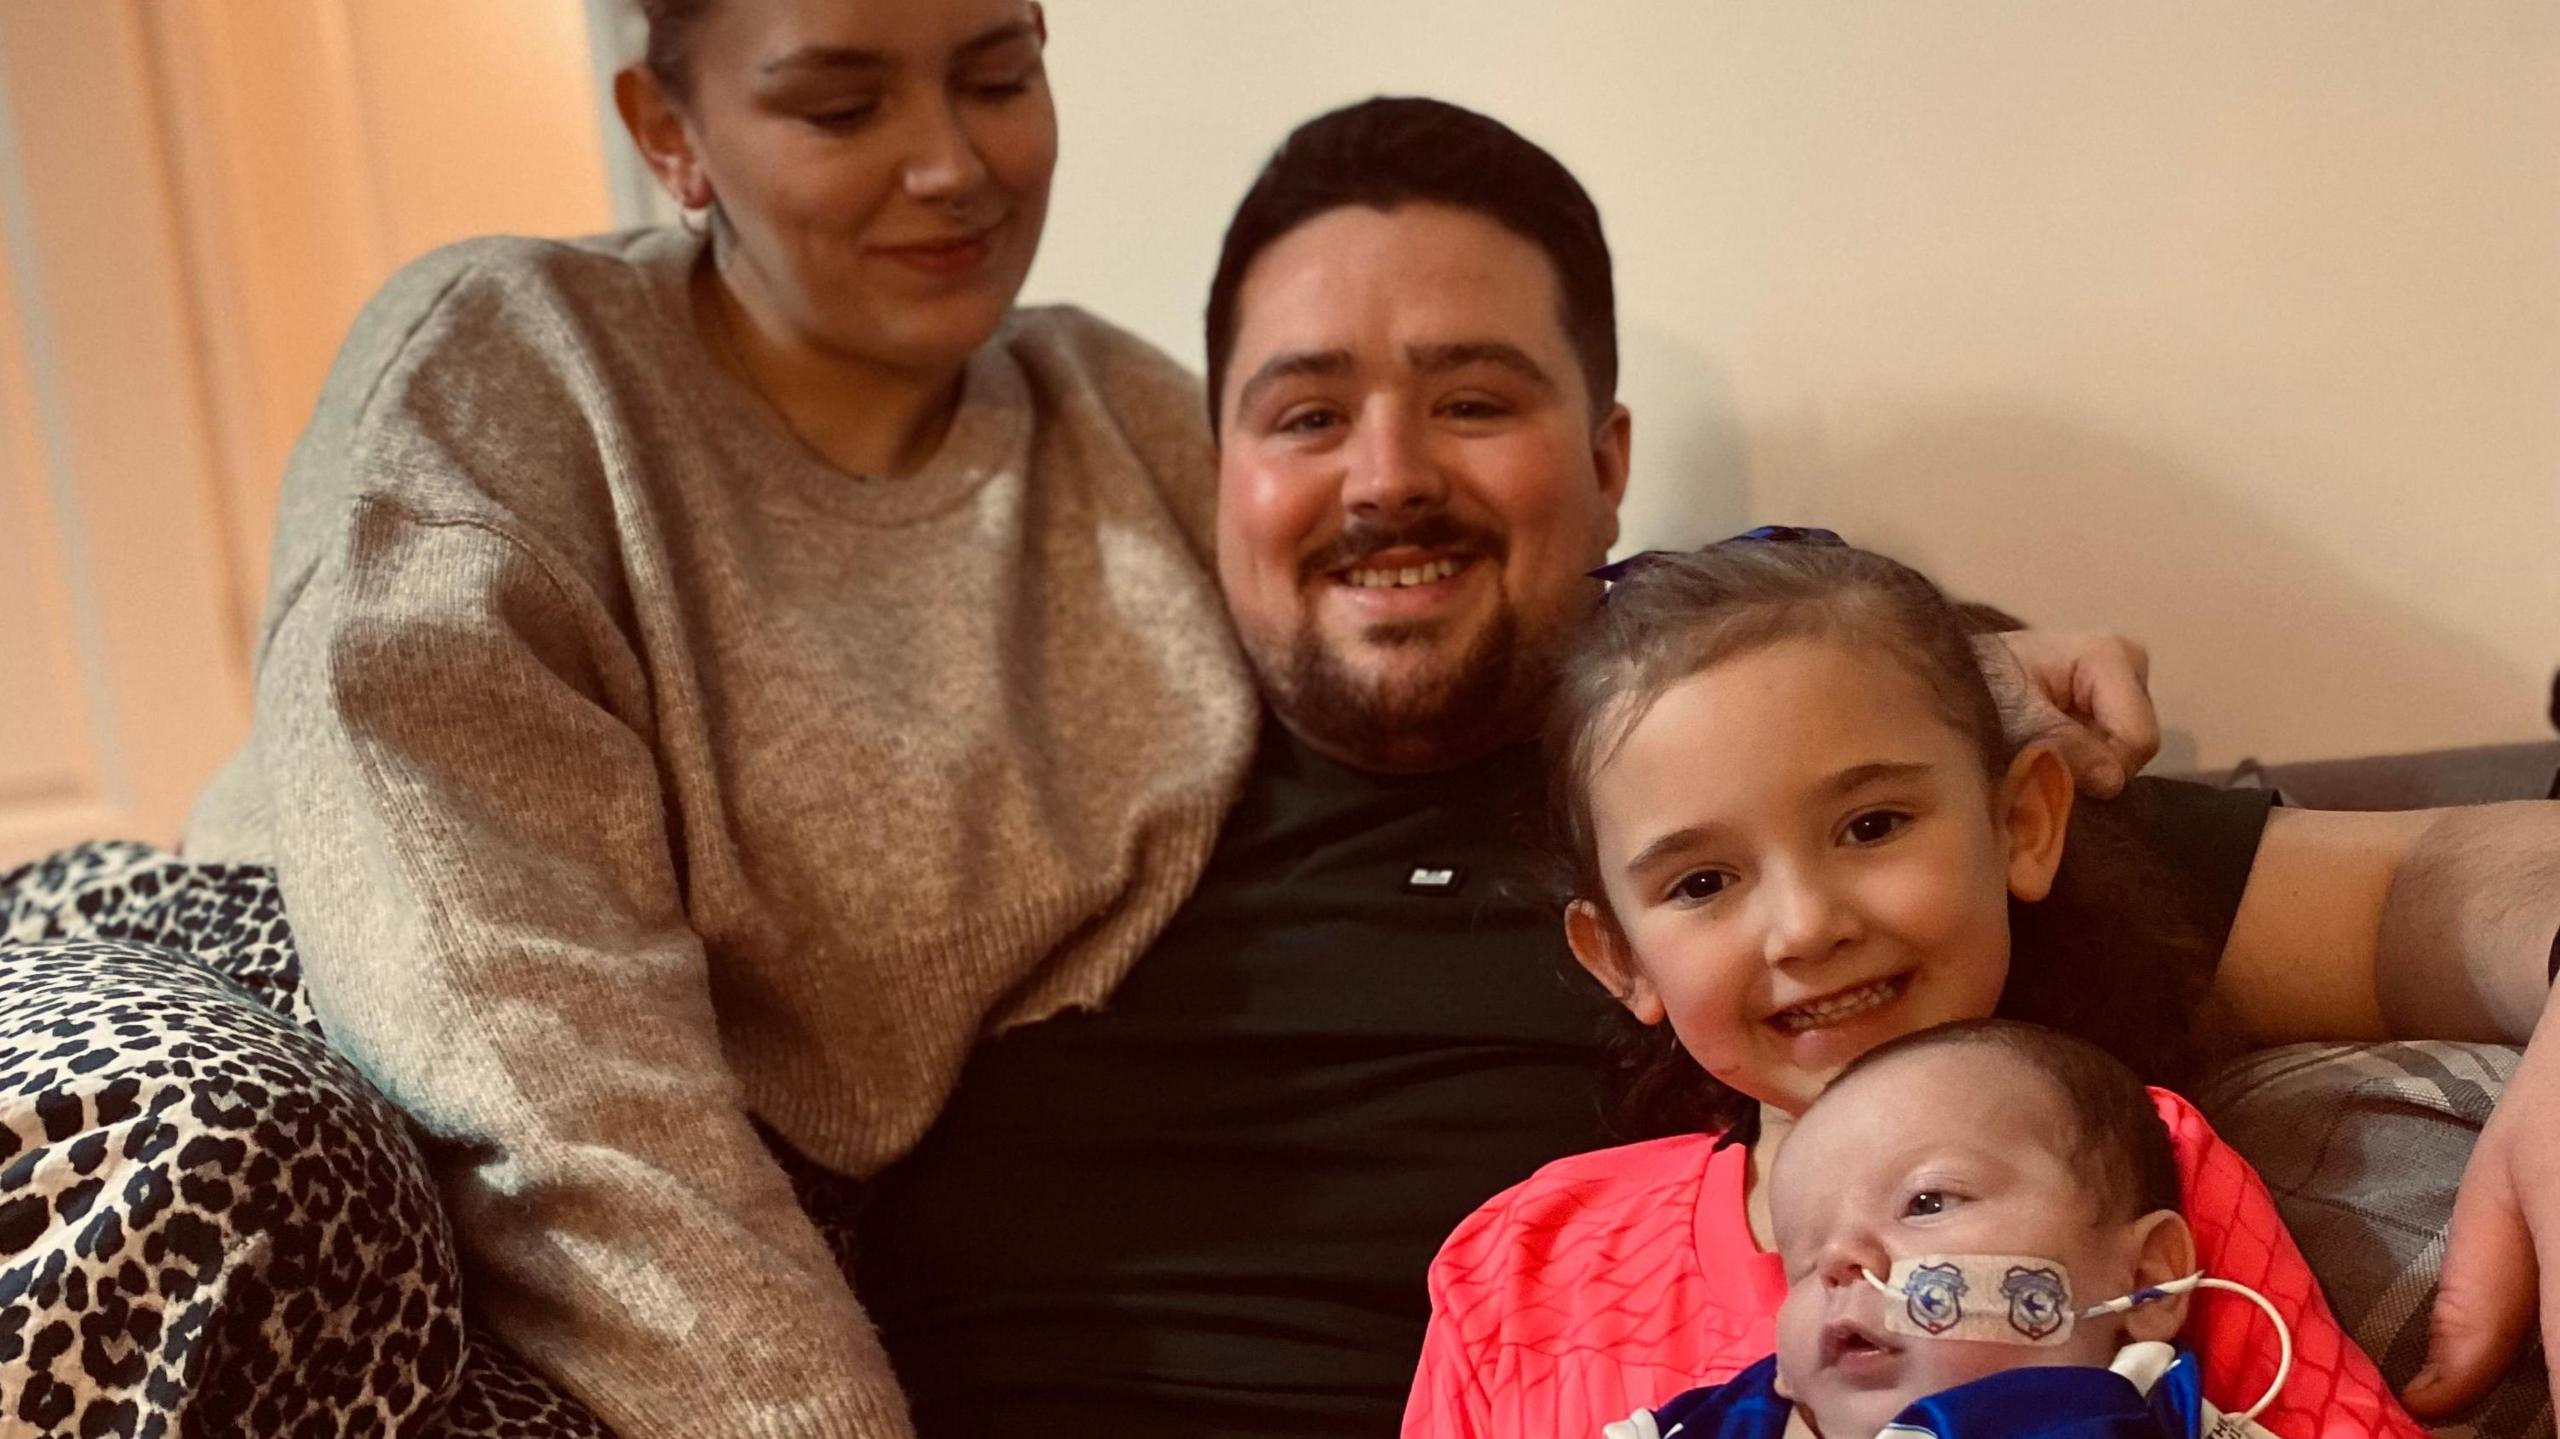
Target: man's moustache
1359, 541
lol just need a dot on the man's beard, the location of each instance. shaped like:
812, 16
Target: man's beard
1487, 696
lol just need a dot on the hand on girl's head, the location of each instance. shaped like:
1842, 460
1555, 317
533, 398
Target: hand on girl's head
2086, 694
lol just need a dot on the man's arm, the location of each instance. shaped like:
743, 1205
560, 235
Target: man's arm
2412, 924
2431, 924
2466, 943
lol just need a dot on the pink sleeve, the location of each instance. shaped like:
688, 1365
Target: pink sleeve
1447, 1402
2335, 1391
1448, 1399
1578, 1295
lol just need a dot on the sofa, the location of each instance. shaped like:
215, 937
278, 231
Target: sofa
2363, 1145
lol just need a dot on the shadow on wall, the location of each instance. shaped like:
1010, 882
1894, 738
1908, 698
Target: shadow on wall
1687, 486
2263, 643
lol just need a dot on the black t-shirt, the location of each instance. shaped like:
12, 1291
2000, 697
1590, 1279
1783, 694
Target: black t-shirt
1207, 1210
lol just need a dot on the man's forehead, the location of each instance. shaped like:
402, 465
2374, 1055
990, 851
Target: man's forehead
1363, 294
1438, 274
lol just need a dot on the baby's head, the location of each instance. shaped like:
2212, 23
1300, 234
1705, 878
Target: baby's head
1984, 1138
1793, 819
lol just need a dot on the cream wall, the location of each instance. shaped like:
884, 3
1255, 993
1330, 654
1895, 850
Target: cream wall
195, 196
318, 145
2235, 327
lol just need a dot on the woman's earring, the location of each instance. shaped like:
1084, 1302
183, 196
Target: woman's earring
696, 202
702, 218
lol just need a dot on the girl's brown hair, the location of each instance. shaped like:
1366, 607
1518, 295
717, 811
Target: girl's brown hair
1672, 616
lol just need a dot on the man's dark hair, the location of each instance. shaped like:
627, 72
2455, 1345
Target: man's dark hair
1393, 151
2121, 1140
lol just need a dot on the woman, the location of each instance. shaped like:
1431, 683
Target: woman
715, 674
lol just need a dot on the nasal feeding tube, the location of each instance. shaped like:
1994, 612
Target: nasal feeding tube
2021, 1299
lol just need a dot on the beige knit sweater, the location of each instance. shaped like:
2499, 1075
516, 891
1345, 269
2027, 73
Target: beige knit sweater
630, 772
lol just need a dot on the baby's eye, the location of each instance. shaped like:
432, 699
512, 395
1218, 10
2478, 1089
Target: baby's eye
1876, 825
1700, 884
1924, 1203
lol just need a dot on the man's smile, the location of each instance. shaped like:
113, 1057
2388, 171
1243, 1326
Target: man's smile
1404, 584
1405, 576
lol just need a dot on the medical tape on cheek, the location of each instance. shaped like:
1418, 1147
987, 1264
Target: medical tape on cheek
2020, 1299
1995, 1298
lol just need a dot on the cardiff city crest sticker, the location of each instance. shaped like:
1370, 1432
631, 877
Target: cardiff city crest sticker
2039, 1301
1934, 1296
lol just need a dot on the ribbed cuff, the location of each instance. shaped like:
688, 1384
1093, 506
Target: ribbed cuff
752, 1404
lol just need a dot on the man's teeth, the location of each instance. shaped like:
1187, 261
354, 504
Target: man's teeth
1837, 1007
1409, 575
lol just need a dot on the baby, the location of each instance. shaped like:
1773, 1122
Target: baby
1954, 1212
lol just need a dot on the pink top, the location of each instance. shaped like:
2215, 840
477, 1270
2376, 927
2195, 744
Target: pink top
1612, 1281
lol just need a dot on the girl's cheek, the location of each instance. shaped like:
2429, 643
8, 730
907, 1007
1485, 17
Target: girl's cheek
1939, 894
1718, 1049
1709, 1014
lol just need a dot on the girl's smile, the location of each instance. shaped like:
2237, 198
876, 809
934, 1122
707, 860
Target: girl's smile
1841, 1006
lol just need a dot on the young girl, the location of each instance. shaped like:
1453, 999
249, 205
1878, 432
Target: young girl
1796, 832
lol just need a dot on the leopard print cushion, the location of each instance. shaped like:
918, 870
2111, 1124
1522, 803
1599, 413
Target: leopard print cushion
209, 1222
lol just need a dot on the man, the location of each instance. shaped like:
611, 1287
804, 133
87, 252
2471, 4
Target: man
1207, 1209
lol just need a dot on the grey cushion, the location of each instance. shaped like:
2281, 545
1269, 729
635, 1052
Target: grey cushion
2363, 1146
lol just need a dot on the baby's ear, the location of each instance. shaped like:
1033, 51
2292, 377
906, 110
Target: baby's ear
2035, 813
1603, 951
2168, 1252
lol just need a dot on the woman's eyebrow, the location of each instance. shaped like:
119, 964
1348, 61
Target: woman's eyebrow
826, 57
854, 57
995, 37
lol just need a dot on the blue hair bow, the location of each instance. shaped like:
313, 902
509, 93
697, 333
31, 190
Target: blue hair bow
1617, 570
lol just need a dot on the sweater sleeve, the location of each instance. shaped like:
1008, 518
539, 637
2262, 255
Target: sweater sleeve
477, 860
2335, 1392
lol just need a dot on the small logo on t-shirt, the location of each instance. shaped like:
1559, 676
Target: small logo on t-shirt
1434, 879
